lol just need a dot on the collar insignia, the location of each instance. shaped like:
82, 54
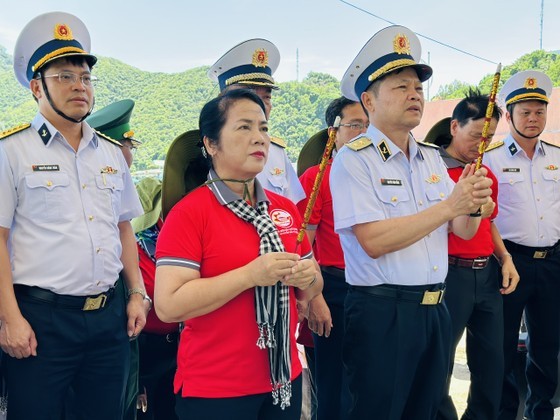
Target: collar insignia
63, 32
384, 150
44, 133
260, 58
530, 83
551, 167
512, 149
128, 134
109, 170
433, 179
401, 45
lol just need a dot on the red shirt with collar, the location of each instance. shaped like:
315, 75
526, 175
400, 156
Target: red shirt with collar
218, 356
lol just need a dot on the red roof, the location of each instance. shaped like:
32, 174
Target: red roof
437, 110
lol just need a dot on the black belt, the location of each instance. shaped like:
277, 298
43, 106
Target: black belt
422, 297
334, 271
533, 252
474, 263
85, 303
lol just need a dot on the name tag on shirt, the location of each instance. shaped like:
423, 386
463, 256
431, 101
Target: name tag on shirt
387, 181
511, 170
45, 168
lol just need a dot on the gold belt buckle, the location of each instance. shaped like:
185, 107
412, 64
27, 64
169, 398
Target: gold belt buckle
93, 303
540, 254
432, 298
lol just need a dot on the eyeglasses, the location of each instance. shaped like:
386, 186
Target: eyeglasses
355, 126
68, 78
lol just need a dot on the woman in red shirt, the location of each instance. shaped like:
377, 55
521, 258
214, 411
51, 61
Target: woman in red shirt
229, 267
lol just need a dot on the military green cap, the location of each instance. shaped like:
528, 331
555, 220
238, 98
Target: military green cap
114, 120
312, 151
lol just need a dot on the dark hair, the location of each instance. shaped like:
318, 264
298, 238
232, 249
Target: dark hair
214, 114
336, 108
473, 107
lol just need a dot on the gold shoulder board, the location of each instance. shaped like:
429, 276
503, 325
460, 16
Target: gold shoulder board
423, 143
278, 142
494, 145
7, 133
550, 144
359, 143
109, 139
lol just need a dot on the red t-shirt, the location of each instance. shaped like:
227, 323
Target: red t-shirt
148, 269
327, 248
481, 244
218, 356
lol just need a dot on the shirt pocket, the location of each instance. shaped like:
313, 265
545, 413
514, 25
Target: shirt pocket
47, 196
395, 199
109, 191
511, 187
551, 179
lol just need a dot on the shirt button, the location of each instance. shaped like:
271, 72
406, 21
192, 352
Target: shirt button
98, 250
49, 183
538, 199
420, 203
535, 182
511, 181
436, 268
394, 199
98, 283
542, 218
441, 194
83, 186
90, 218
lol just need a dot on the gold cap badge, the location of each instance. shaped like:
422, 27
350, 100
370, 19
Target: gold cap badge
63, 32
260, 58
401, 45
530, 83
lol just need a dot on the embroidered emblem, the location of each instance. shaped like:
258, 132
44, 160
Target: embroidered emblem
260, 58
47, 168
512, 149
44, 133
386, 181
128, 134
109, 170
401, 44
63, 32
433, 179
276, 171
384, 150
551, 167
281, 218
530, 83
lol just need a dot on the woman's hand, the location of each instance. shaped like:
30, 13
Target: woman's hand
302, 276
268, 269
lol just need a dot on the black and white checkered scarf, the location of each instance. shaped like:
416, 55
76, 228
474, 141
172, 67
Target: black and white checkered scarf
272, 304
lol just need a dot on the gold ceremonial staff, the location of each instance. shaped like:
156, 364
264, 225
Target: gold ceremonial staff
489, 111
318, 179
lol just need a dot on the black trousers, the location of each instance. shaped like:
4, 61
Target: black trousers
474, 302
396, 354
87, 350
333, 394
250, 407
538, 294
158, 362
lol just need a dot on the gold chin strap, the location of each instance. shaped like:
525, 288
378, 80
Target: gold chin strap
246, 193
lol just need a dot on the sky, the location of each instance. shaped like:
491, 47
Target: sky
312, 35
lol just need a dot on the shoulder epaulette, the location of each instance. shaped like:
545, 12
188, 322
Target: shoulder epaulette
7, 133
494, 145
278, 142
423, 143
109, 139
359, 143
550, 144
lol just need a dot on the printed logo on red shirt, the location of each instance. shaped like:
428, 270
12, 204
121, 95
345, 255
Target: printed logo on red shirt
281, 218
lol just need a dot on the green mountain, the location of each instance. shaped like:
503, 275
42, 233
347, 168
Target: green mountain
168, 104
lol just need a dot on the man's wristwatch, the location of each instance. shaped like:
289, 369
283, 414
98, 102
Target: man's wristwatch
142, 293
